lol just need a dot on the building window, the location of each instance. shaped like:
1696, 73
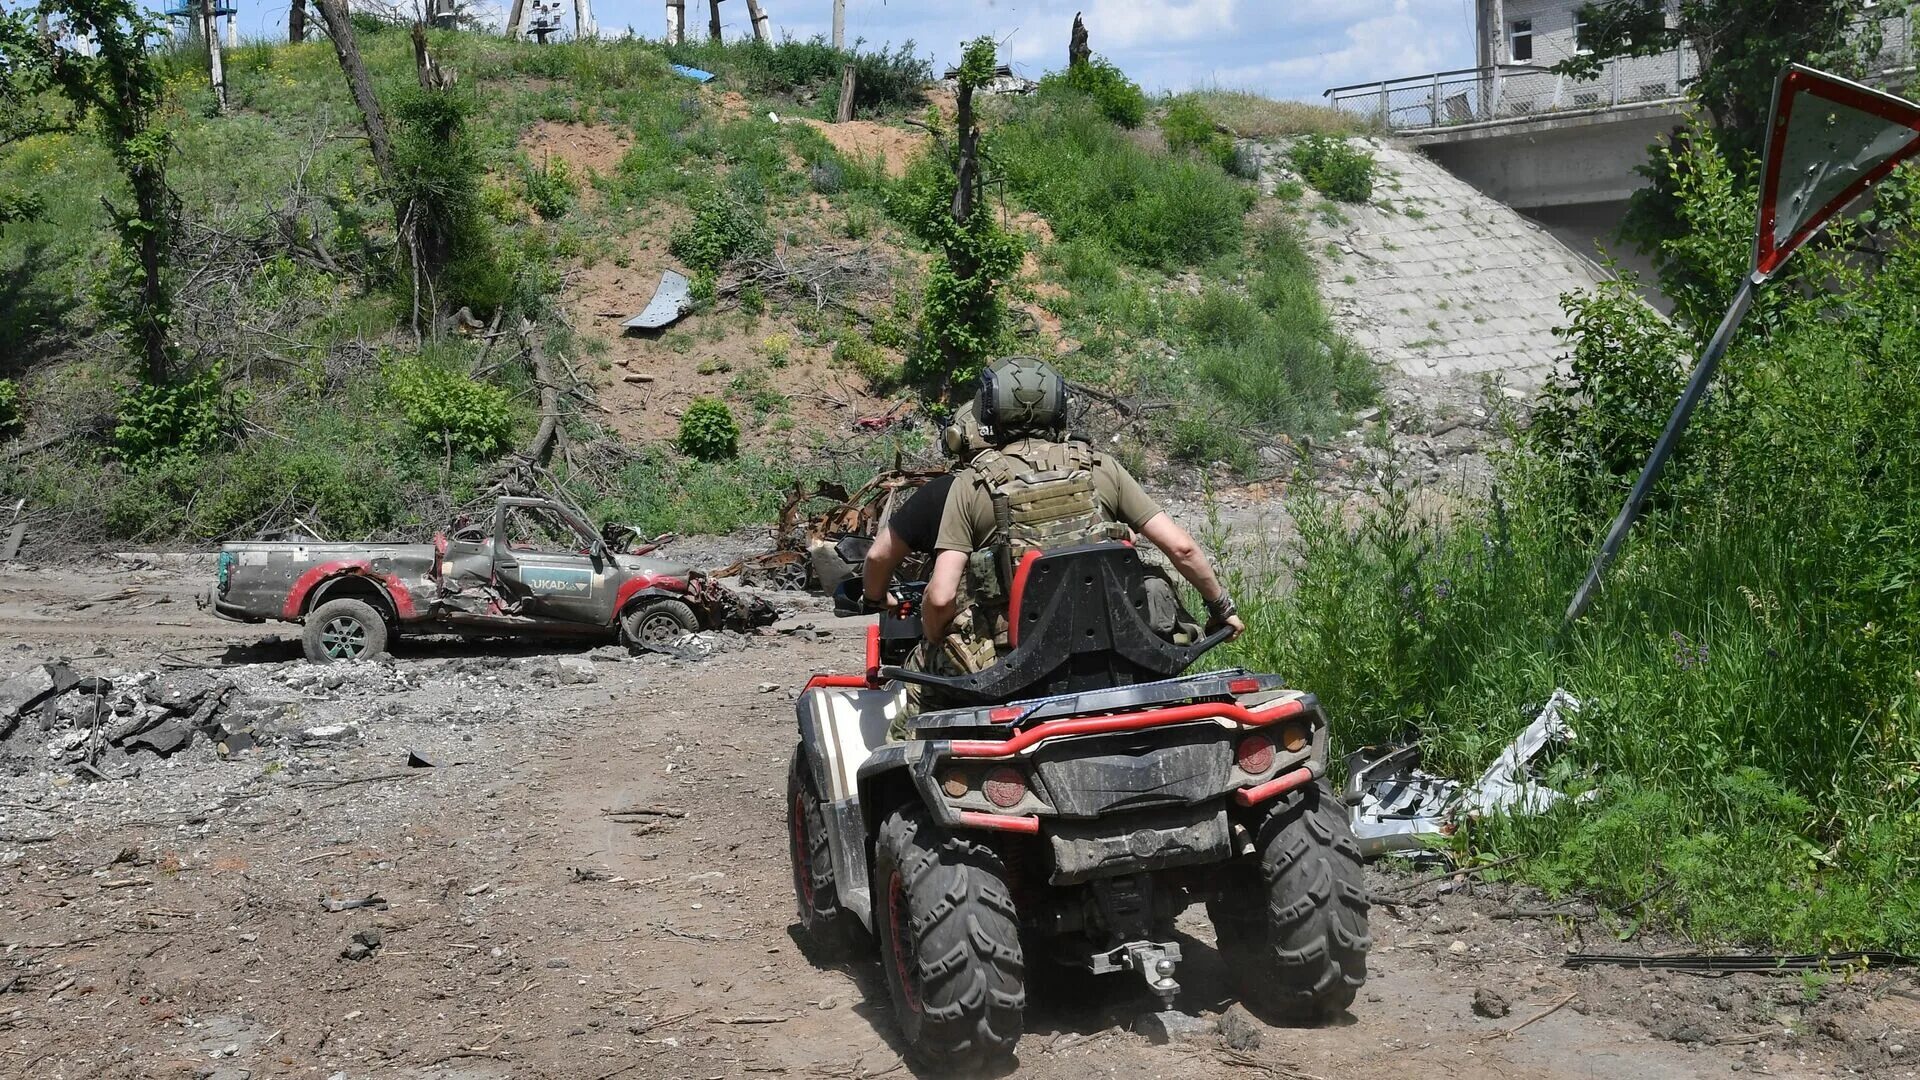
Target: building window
1581, 42
1520, 42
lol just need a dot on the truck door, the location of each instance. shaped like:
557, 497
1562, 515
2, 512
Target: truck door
546, 567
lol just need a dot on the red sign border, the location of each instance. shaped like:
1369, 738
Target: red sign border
1768, 258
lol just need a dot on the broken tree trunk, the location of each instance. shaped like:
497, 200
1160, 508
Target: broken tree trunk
839, 24
676, 21
758, 16
845, 112
216, 71
515, 19
540, 450
1078, 51
433, 77
967, 171
347, 49
713, 19
297, 22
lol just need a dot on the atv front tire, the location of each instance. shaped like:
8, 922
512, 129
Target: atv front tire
1294, 933
657, 622
949, 943
343, 630
814, 889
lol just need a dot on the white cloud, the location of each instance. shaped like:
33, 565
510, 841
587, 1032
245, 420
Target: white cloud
1122, 24
1391, 45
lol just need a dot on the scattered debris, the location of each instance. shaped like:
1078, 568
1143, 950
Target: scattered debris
1490, 1003
1755, 963
371, 900
1166, 1025
364, 944
1395, 805
1239, 1030
671, 299
831, 546
693, 73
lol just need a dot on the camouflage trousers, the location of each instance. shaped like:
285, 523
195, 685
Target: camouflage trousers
956, 655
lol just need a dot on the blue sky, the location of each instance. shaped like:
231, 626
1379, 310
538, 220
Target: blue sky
1283, 48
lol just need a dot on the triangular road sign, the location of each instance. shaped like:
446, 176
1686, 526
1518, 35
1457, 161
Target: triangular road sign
1829, 141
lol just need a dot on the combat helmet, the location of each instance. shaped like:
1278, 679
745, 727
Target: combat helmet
1021, 395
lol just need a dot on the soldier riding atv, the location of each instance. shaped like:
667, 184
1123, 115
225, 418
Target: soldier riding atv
1071, 794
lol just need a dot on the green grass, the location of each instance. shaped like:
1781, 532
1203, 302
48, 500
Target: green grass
1752, 708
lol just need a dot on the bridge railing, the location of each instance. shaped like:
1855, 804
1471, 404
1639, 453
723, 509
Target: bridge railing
1513, 93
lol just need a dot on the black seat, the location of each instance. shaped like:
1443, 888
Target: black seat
1077, 620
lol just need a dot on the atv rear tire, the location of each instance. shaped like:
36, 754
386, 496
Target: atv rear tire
343, 630
821, 916
657, 622
1295, 933
949, 943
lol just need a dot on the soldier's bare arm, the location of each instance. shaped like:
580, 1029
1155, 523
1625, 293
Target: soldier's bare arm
883, 558
1184, 552
941, 601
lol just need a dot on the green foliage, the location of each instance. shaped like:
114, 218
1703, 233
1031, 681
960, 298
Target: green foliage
1333, 168
162, 424
10, 414
438, 169
1190, 126
1773, 575
119, 84
885, 79
1118, 98
882, 375
446, 407
708, 431
724, 227
1092, 182
550, 188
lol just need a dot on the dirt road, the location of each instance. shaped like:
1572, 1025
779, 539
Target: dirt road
172, 925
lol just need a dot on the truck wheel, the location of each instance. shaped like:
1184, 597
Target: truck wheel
343, 630
949, 942
821, 915
657, 622
1295, 932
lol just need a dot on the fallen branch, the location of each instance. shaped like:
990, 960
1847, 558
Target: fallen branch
1535, 1018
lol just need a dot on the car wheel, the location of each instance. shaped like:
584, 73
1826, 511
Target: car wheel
343, 630
658, 622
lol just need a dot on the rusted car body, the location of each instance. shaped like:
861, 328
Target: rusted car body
830, 546
536, 568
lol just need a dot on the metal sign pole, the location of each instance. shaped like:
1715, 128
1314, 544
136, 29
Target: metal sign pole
1676, 423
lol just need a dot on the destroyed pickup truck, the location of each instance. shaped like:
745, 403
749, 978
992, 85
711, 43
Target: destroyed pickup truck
535, 569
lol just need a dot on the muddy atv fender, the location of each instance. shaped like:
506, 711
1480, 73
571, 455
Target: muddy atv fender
843, 737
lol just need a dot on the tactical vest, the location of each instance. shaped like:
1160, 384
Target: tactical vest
1043, 498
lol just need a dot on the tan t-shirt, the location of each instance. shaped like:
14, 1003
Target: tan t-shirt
967, 521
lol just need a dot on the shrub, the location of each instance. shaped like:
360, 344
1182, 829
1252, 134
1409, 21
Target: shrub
881, 374
724, 227
708, 431
9, 407
1118, 98
550, 189
884, 78
447, 407
160, 423
1333, 168
1188, 125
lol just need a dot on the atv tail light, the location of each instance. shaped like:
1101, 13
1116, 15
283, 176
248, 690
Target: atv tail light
1294, 738
1243, 686
1005, 714
1254, 755
955, 784
1005, 787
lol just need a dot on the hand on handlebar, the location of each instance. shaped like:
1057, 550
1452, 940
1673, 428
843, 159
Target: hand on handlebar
1238, 625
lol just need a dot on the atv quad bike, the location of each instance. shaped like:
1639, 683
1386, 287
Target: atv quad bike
1071, 800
